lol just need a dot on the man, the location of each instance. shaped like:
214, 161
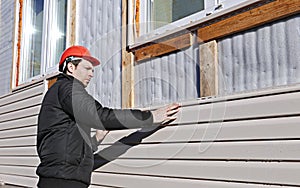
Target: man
66, 117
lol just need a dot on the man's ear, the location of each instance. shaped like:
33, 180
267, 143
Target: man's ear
70, 67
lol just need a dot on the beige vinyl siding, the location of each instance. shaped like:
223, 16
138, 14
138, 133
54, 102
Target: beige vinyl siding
243, 140
18, 124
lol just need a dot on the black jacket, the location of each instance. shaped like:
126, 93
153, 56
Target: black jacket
66, 117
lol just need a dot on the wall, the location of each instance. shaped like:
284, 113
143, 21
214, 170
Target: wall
263, 57
6, 44
167, 79
99, 29
260, 58
245, 140
18, 120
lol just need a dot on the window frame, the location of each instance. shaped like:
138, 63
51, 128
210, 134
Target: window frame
45, 57
212, 9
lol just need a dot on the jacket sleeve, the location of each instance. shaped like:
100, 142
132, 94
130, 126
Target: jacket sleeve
85, 110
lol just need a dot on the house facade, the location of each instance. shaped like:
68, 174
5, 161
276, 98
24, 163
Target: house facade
232, 65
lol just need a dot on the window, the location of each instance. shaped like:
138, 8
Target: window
32, 26
158, 17
163, 12
43, 37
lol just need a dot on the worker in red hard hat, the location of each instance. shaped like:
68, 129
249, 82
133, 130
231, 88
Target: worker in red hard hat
67, 115
74, 56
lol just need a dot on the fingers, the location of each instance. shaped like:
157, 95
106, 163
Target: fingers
168, 120
101, 134
172, 112
166, 115
173, 107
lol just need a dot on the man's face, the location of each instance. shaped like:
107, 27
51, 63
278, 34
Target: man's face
84, 72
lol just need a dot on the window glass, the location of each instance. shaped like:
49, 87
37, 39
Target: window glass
43, 37
57, 31
32, 32
168, 11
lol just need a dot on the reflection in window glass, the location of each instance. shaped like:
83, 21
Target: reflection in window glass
168, 11
57, 31
32, 27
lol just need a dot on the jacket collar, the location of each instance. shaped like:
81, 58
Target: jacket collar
63, 76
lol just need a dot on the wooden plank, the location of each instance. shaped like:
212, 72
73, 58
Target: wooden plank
267, 13
275, 173
135, 181
51, 81
33, 100
208, 69
242, 150
11, 98
20, 114
28, 121
137, 17
72, 23
158, 48
127, 83
127, 64
18, 141
19, 28
19, 180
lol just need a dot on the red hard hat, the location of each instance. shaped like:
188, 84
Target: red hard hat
78, 51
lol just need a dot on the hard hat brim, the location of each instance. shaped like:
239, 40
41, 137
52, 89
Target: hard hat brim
94, 61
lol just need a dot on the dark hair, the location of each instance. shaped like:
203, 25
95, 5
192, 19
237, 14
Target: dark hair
65, 69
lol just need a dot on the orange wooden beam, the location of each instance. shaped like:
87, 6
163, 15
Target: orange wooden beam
255, 17
163, 47
19, 42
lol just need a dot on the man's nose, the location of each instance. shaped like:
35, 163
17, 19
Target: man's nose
91, 74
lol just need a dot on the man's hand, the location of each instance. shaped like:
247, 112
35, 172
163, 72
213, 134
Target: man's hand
100, 134
165, 115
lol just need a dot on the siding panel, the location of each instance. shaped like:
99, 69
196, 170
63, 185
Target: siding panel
238, 171
32, 101
18, 120
17, 132
240, 140
261, 129
23, 122
135, 181
19, 180
22, 94
21, 141
225, 151
32, 110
